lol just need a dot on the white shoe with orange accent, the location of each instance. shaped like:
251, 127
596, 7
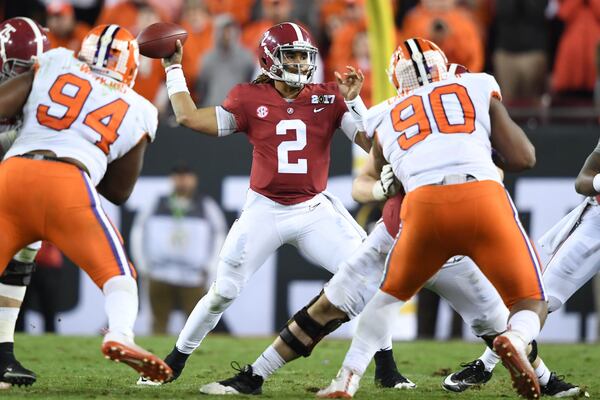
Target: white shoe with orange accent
343, 386
511, 349
119, 348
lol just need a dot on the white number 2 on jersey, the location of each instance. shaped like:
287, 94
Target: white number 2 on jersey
283, 164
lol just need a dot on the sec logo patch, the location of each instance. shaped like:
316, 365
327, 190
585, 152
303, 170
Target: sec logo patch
262, 111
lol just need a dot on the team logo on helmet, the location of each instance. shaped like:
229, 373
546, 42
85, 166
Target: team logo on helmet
111, 50
416, 62
280, 41
21, 41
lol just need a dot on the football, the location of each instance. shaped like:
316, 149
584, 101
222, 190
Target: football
159, 40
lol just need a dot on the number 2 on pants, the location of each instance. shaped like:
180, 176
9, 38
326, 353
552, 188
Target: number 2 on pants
418, 117
104, 120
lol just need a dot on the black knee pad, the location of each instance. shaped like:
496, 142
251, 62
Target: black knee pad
315, 331
17, 273
533, 353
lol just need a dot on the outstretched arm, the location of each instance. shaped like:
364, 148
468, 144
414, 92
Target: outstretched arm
203, 120
588, 180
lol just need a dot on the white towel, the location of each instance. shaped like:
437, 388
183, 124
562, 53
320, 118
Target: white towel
552, 239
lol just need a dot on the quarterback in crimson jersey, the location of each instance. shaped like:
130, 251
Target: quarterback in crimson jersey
290, 122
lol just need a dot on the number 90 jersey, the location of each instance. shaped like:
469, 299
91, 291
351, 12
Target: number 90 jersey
439, 129
79, 114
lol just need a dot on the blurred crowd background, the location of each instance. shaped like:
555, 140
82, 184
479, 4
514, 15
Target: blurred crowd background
544, 53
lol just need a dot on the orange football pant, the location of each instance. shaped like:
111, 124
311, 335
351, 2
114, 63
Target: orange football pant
476, 219
57, 202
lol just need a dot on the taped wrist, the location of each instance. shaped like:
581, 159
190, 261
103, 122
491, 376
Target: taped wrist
310, 328
175, 80
358, 110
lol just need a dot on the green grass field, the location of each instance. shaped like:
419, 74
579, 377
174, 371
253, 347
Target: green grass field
73, 368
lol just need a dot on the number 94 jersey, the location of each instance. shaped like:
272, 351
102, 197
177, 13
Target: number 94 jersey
439, 129
79, 114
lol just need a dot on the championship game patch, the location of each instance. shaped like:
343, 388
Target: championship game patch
322, 99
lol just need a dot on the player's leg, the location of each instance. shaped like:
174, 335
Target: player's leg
575, 262
507, 257
13, 284
251, 240
364, 268
470, 293
77, 224
329, 238
19, 209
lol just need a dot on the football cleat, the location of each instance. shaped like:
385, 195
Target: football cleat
557, 387
244, 382
176, 360
145, 363
14, 374
511, 350
343, 386
387, 374
472, 374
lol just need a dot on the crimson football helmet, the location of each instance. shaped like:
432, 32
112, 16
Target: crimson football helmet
113, 51
278, 44
416, 62
21, 41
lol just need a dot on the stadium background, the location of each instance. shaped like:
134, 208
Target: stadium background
560, 116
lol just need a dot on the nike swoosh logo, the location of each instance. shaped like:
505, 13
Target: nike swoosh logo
316, 110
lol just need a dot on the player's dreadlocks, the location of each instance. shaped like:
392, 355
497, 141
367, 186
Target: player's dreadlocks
262, 78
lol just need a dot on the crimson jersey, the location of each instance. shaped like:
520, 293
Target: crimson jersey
391, 214
291, 139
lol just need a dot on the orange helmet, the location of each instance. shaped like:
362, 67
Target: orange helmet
113, 51
416, 62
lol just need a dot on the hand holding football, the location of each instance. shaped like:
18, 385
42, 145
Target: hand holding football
159, 40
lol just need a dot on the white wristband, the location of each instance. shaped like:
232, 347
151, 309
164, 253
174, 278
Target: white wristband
358, 110
175, 80
377, 191
596, 183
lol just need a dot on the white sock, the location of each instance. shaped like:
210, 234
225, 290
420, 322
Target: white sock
9, 295
267, 363
489, 359
201, 321
121, 305
373, 332
27, 254
526, 324
543, 373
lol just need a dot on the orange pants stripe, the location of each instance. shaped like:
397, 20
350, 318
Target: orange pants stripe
476, 219
55, 201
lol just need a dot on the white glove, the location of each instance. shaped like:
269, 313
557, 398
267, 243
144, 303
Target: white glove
386, 186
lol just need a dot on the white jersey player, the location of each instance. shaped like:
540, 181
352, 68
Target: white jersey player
84, 133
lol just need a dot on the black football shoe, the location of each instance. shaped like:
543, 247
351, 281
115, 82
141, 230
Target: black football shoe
14, 374
387, 374
472, 374
244, 382
176, 360
558, 387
